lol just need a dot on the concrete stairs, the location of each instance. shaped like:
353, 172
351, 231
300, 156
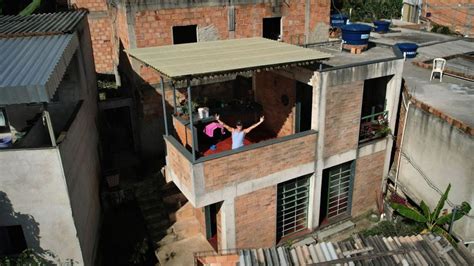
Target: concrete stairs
153, 209
182, 240
327, 232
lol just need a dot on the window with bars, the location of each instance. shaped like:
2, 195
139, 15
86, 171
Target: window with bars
339, 190
292, 206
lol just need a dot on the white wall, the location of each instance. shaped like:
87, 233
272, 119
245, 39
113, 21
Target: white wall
33, 182
436, 154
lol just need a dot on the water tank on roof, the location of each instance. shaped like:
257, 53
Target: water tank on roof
338, 20
408, 48
381, 25
356, 34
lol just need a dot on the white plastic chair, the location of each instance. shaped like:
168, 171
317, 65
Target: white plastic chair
438, 67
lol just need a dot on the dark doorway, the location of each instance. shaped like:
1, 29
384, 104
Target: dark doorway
12, 240
304, 102
336, 194
272, 28
211, 212
118, 129
184, 34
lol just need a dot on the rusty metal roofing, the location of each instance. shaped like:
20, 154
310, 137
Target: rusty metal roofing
31, 68
204, 59
372, 250
40, 24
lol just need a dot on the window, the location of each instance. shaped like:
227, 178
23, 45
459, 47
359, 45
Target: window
12, 240
292, 206
336, 196
373, 122
184, 34
272, 28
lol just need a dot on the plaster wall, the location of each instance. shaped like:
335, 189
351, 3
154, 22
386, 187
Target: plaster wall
435, 154
33, 194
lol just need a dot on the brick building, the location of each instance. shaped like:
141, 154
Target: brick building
318, 158
458, 15
134, 24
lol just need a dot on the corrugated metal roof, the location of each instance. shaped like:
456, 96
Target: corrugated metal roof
372, 250
223, 57
32, 67
40, 24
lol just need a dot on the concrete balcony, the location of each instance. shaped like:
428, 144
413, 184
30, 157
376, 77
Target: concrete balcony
213, 178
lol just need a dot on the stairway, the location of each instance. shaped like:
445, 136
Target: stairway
152, 206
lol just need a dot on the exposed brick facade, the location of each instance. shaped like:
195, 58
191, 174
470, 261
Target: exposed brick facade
455, 14
343, 110
179, 165
255, 218
259, 162
271, 88
367, 182
91, 5
102, 44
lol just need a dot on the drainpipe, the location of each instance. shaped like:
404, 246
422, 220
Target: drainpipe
407, 107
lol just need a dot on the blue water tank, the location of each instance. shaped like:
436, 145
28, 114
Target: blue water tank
356, 34
382, 25
408, 48
338, 20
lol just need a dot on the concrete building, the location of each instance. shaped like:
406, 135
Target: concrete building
318, 158
49, 170
436, 125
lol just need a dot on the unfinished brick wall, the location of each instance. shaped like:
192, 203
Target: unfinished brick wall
180, 166
270, 88
343, 110
102, 44
367, 182
154, 27
455, 14
259, 162
255, 218
91, 5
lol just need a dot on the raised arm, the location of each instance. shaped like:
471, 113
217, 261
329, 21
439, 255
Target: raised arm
224, 124
247, 130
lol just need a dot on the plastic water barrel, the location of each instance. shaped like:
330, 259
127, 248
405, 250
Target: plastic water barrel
356, 34
408, 48
381, 25
338, 20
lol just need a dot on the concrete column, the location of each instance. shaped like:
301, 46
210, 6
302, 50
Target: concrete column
320, 88
228, 224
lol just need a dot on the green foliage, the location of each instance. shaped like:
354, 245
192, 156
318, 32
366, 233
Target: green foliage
432, 221
370, 10
28, 257
442, 29
389, 228
30, 8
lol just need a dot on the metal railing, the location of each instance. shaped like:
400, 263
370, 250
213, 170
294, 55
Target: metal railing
374, 126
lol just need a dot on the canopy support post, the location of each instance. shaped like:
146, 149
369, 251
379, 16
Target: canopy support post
164, 104
191, 125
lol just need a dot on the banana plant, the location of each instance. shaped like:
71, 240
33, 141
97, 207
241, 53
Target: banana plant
432, 220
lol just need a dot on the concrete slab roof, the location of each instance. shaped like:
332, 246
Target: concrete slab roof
453, 96
203, 59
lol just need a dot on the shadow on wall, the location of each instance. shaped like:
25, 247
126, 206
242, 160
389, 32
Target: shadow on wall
9, 217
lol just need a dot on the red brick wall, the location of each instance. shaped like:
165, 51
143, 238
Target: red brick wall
259, 162
343, 110
179, 165
456, 14
255, 218
102, 44
154, 27
367, 182
270, 88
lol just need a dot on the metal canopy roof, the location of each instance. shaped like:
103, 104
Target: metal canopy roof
202, 59
40, 24
31, 68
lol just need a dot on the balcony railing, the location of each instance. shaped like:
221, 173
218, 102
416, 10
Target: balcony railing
373, 126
